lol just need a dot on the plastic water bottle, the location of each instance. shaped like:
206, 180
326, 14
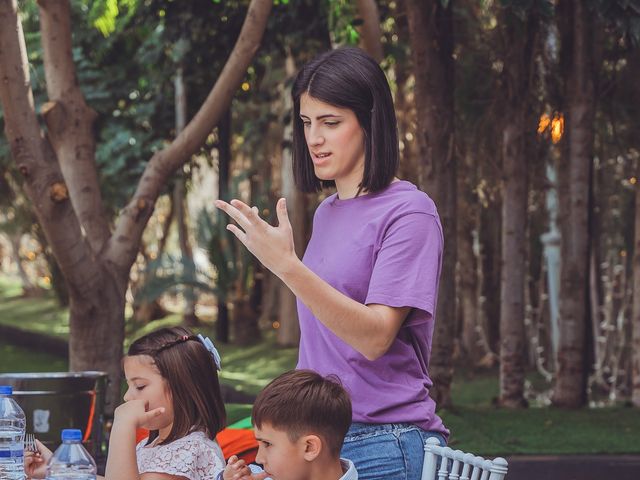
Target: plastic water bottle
12, 427
71, 461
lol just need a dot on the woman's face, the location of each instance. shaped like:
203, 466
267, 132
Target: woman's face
335, 141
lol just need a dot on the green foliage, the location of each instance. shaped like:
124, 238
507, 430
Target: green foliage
103, 14
343, 21
171, 274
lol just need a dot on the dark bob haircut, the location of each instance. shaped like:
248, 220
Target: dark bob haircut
348, 78
192, 376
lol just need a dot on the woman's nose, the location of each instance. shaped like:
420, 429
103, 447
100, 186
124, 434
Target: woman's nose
127, 395
315, 137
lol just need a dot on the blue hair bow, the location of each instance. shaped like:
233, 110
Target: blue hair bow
208, 344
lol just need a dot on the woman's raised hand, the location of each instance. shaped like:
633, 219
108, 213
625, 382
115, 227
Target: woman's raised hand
273, 246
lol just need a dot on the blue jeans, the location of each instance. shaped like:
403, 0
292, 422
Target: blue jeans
392, 451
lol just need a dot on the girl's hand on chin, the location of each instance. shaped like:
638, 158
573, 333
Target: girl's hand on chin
136, 413
273, 246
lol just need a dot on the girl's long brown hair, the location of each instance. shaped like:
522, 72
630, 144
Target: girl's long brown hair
191, 375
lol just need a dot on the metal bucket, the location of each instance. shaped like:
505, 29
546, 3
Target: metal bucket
54, 401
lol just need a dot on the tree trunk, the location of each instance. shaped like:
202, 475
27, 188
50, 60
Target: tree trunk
635, 316
431, 30
370, 31
519, 41
60, 176
467, 278
224, 167
189, 317
289, 330
574, 180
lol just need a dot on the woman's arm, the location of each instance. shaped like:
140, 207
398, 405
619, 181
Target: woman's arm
369, 329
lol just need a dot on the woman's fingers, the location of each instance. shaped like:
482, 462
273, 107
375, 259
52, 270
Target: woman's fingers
238, 233
234, 213
283, 215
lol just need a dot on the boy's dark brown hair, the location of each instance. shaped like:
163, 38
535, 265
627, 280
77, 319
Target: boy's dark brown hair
192, 377
300, 402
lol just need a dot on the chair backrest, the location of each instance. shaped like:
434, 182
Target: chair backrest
458, 465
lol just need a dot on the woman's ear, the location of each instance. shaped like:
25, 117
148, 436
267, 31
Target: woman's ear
312, 447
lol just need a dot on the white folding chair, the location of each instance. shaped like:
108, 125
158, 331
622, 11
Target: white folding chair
458, 465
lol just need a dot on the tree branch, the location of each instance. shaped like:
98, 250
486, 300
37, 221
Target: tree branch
123, 245
35, 159
70, 122
370, 31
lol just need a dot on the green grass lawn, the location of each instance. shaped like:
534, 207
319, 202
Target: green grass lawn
476, 426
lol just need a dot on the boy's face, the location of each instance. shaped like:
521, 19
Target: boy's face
281, 458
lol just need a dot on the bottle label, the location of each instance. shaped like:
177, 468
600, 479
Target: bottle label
11, 454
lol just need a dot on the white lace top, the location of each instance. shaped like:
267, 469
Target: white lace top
195, 457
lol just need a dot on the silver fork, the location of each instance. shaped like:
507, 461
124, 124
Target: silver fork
30, 443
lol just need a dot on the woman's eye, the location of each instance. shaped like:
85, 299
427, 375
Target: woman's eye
331, 124
140, 388
306, 124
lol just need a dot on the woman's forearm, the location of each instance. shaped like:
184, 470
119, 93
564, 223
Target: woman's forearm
368, 329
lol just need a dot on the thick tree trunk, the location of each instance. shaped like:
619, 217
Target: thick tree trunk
431, 30
64, 190
514, 222
519, 40
574, 170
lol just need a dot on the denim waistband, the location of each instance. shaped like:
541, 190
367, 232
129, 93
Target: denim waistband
359, 430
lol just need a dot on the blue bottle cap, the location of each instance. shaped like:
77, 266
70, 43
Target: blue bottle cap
71, 435
6, 390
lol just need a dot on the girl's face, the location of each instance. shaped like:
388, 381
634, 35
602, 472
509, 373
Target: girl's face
145, 383
335, 141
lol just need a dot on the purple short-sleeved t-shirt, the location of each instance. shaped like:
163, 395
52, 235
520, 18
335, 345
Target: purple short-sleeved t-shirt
383, 248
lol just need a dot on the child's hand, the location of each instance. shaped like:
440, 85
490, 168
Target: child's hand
237, 469
35, 464
136, 413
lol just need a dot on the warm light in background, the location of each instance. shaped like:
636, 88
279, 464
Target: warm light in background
276, 325
543, 123
555, 126
246, 86
633, 180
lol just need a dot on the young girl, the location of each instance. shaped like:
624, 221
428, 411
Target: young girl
173, 392
368, 282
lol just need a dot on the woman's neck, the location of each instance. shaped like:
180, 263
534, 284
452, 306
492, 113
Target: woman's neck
352, 188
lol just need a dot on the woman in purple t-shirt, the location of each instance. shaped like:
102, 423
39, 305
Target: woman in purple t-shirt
368, 282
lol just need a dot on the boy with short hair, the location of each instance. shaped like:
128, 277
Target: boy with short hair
300, 421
